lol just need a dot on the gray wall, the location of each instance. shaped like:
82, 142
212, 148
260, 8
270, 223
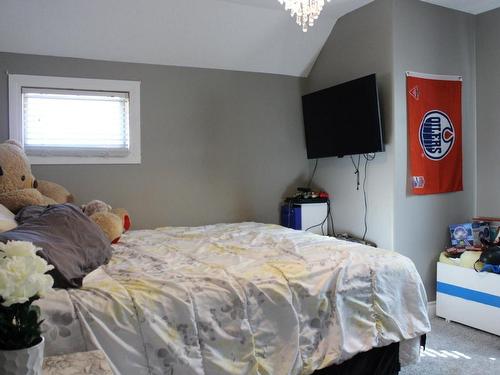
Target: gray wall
360, 44
431, 39
488, 113
217, 146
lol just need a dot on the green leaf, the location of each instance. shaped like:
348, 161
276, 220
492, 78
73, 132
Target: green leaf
20, 326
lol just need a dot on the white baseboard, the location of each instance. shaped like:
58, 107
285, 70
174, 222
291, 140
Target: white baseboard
431, 309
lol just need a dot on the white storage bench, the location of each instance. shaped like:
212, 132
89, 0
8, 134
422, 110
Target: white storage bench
468, 297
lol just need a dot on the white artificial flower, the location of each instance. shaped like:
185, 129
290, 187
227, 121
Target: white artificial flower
22, 273
44, 283
41, 266
6, 284
18, 268
18, 248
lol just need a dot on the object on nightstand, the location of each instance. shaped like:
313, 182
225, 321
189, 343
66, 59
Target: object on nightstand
92, 363
291, 216
306, 195
461, 235
465, 259
480, 231
494, 225
490, 257
454, 252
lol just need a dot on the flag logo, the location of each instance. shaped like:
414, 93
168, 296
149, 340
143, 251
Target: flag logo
415, 92
437, 135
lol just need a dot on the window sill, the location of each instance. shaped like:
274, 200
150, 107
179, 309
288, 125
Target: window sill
59, 160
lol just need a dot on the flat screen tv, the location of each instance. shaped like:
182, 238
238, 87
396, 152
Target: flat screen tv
343, 120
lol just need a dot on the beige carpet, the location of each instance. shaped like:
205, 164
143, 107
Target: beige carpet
455, 349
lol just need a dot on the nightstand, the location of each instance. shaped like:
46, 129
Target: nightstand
305, 216
94, 363
468, 297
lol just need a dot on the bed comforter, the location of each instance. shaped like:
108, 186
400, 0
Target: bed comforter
239, 299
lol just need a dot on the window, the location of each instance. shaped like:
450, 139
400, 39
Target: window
75, 120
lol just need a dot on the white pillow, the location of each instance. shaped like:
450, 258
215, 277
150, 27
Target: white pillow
7, 221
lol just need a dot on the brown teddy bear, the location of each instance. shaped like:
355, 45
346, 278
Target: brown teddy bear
19, 188
55, 191
113, 222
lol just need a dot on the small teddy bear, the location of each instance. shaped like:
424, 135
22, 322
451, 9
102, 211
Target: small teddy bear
113, 222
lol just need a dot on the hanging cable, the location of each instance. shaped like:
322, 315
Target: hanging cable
312, 175
330, 215
368, 158
356, 169
325, 220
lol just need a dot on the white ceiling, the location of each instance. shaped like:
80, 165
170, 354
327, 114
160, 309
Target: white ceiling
246, 35
469, 6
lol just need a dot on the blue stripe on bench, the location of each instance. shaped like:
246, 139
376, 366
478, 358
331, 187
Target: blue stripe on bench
468, 294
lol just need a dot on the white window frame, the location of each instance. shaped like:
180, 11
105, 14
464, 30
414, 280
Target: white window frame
133, 88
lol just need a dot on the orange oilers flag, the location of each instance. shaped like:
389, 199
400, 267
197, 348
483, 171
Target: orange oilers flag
434, 106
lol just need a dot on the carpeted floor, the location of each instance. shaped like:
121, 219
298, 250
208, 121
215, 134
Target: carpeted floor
455, 349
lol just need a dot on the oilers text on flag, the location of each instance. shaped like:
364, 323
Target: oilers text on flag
437, 135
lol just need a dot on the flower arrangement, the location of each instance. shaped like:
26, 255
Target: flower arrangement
23, 280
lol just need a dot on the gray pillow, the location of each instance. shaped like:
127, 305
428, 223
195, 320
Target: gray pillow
68, 239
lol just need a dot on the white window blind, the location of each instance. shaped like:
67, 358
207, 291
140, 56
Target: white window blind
75, 122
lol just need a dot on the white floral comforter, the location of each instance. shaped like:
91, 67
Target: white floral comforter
239, 299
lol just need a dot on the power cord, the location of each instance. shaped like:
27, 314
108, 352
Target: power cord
368, 158
289, 222
329, 217
330, 214
474, 265
312, 175
325, 220
356, 169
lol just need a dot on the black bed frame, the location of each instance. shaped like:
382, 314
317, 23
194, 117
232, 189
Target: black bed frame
377, 361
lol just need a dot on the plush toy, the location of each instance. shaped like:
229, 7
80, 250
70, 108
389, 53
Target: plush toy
17, 183
123, 214
113, 222
19, 188
55, 191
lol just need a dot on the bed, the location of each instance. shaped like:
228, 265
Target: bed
242, 298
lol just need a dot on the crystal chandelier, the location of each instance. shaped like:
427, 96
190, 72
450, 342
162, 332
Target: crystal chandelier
304, 11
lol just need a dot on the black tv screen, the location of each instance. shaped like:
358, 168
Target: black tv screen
343, 119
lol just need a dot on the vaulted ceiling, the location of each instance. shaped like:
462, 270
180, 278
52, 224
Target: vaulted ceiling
245, 35
469, 6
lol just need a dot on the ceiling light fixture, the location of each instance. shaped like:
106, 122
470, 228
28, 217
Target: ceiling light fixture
304, 11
